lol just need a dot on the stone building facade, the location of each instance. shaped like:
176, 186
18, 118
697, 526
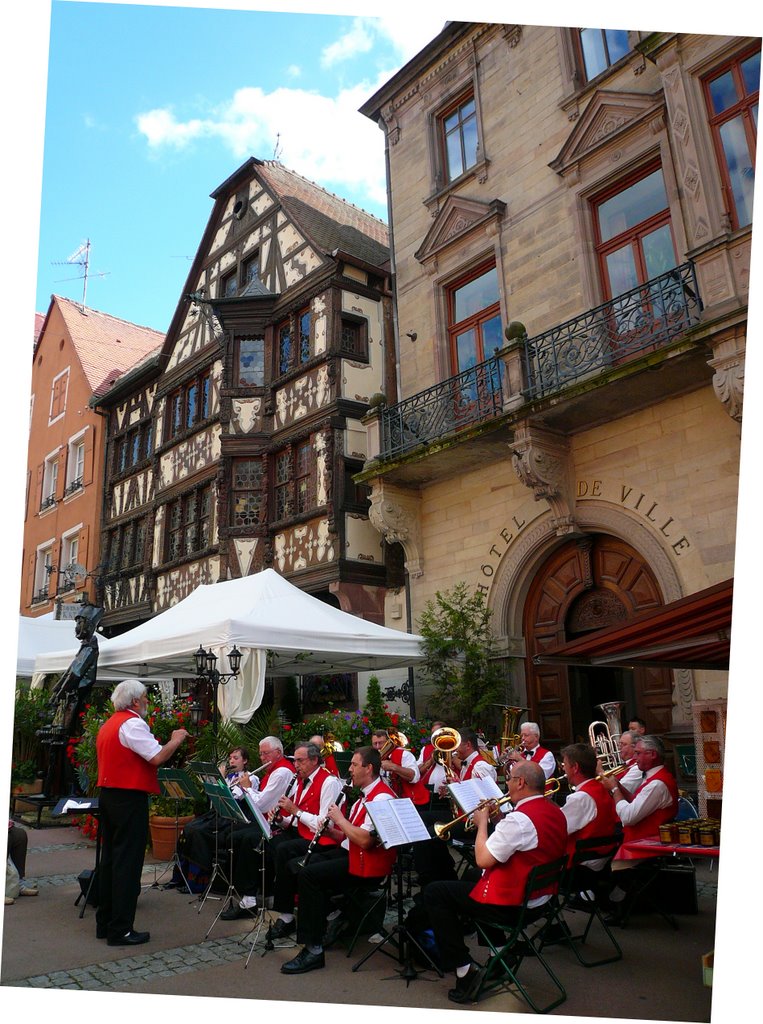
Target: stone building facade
571, 228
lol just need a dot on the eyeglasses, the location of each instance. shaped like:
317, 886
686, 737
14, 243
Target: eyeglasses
297, 760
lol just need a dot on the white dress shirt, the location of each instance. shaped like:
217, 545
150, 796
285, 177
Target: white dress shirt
654, 795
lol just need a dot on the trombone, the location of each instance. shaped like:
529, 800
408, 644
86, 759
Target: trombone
442, 829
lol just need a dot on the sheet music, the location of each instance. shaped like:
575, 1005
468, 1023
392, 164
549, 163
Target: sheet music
396, 821
469, 793
257, 814
75, 803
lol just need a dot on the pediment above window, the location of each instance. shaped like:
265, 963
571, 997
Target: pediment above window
457, 219
608, 117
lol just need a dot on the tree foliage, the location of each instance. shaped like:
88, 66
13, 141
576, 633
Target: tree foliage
460, 652
374, 707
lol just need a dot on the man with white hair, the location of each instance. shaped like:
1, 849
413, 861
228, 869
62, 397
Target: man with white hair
531, 750
128, 759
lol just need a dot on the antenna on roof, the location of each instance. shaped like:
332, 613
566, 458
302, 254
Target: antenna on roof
277, 148
80, 256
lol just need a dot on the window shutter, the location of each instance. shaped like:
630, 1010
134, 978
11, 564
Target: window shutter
38, 487
87, 465
29, 582
61, 478
82, 546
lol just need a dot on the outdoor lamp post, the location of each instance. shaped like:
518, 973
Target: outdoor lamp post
208, 673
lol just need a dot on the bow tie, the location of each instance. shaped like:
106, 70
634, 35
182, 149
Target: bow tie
528, 753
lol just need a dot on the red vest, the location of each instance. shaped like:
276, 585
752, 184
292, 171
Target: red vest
649, 825
468, 771
329, 763
605, 821
118, 766
416, 791
504, 884
375, 862
426, 753
311, 804
282, 762
538, 756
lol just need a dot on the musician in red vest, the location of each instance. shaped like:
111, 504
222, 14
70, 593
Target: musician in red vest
128, 759
631, 778
303, 813
534, 833
245, 839
651, 804
531, 750
589, 812
400, 771
359, 861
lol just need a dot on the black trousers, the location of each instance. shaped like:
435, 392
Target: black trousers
320, 879
446, 902
432, 858
124, 834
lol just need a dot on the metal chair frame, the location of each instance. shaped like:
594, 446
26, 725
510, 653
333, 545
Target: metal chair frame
587, 849
505, 960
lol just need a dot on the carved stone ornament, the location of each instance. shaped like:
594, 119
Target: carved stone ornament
395, 514
541, 460
728, 384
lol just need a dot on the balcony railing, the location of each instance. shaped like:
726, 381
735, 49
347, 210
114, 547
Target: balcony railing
645, 317
467, 399
75, 485
48, 502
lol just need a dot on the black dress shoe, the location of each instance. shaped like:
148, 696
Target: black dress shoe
233, 913
281, 929
304, 961
101, 933
466, 987
337, 927
130, 939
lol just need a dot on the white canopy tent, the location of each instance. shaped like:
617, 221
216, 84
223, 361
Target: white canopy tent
279, 629
38, 636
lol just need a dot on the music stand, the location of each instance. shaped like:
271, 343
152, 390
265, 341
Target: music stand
177, 785
259, 819
397, 823
75, 805
209, 772
225, 806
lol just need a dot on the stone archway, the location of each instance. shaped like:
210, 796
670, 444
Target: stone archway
587, 583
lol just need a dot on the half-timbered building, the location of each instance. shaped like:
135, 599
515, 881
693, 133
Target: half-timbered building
254, 408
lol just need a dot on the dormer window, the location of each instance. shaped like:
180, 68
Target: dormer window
600, 48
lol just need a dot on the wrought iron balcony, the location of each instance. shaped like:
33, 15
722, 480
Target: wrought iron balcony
469, 398
48, 502
41, 595
643, 318
75, 485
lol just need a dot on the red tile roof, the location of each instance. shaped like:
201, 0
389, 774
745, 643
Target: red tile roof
107, 346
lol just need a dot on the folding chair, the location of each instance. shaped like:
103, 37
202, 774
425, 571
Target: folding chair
365, 909
503, 964
588, 849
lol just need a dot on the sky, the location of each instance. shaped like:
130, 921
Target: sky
151, 108
119, 121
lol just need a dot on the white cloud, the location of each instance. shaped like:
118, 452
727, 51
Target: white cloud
323, 138
358, 40
294, 71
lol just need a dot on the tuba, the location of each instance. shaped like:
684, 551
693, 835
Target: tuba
394, 739
509, 730
604, 736
445, 740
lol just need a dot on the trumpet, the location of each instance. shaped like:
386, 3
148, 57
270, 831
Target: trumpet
442, 829
619, 769
554, 784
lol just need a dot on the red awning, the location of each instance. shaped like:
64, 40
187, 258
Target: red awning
693, 632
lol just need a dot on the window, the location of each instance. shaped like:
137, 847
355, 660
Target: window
303, 475
304, 335
600, 48
187, 406
248, 506
137, 444
353, 339
228, 286
58, 395
75, 465
126, 545
281, 503
458, 137
633, 233
49, 482
284, 347
69, 553
355, 495
474, 319
188, 528
43, 572
732, 98
250, 270
251, 362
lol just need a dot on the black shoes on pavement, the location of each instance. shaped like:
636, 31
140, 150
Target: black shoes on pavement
131, 938
281, 929
466, 987
304, 961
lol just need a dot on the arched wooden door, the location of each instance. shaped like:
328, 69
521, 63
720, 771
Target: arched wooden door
588, 584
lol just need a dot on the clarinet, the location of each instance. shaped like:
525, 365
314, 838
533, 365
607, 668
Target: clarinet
322, 828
